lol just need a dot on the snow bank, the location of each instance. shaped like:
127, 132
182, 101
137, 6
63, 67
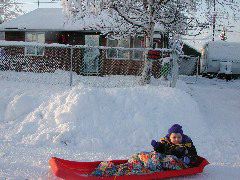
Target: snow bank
83, 123
105, 119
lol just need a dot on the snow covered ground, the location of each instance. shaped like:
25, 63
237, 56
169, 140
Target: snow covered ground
87, 123
219, 103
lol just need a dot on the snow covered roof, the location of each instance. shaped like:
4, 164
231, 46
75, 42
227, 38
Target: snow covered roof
221, 50
222, 44
48, 19
39, 19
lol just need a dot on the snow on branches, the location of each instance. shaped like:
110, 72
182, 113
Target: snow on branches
186, 17
220, 12
132, 16
8, 10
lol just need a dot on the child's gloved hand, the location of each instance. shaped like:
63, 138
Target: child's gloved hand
154, 143
186, 160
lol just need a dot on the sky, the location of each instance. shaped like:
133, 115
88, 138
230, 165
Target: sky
196, 42
30, 5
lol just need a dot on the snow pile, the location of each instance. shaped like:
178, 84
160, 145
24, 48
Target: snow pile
21, 104
97, 119
84, 123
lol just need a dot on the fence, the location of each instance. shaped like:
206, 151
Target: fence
189, 68
96, 66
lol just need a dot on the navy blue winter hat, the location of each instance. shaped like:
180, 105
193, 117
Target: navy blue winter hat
176, 128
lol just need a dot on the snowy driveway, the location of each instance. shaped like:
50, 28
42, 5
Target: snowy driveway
219, 103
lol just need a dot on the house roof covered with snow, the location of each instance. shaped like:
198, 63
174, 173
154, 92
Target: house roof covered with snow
49, 19
42, 18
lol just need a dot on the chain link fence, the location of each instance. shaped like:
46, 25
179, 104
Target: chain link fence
189, 68
71, 65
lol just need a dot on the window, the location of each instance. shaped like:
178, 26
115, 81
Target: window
138, 42
35, 50
117, 53
2, 36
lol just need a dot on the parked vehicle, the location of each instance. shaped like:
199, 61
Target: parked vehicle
220, 58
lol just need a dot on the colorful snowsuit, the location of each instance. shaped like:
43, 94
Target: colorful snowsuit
186, 148
140, 163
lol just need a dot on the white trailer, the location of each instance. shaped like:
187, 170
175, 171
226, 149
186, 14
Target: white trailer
219, 57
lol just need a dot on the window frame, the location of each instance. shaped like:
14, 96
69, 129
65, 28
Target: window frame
133, 52
36, 48
116, 48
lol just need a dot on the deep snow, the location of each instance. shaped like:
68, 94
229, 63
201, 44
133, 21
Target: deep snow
86, 123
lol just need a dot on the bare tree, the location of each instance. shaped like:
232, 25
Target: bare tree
222, 13
140, 16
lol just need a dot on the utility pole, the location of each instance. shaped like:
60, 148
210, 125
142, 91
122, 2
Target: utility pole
214, 19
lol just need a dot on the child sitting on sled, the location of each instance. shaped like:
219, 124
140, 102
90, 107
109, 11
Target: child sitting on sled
174, 152
178, 144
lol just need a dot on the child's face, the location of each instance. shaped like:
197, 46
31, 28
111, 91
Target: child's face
176, 138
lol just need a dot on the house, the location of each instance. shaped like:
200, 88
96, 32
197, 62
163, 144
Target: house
48, 25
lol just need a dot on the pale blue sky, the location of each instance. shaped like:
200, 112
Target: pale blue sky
196, 42
32, 4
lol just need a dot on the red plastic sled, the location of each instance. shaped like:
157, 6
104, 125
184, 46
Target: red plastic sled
80, 170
